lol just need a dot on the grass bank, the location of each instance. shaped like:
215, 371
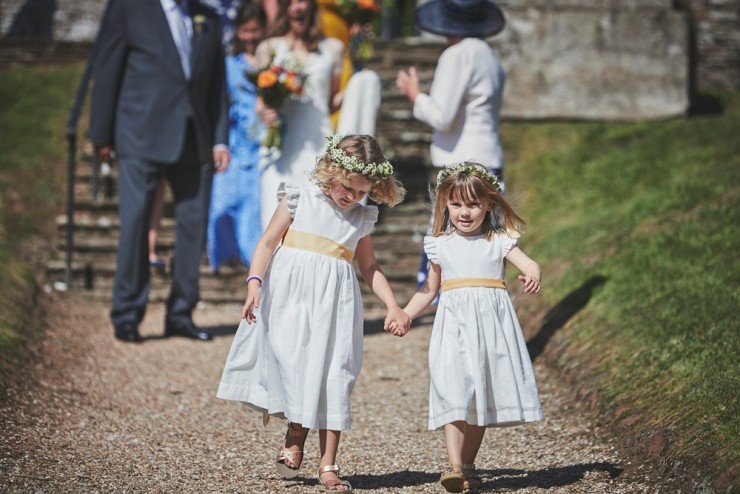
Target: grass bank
645, 217
34, 103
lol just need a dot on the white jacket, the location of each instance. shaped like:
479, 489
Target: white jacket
464, 105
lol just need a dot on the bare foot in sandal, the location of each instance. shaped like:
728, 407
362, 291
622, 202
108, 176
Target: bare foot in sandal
330, 481
472, 480
290, 456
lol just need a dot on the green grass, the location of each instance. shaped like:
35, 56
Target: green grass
34, 103
652, 207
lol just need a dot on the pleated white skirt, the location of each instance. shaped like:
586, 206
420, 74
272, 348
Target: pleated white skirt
480, 369
301, 358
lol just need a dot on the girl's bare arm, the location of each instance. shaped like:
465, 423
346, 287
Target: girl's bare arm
531, 273
424, 296
266, 246
378, 283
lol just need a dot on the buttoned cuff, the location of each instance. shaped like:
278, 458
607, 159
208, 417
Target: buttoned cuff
220, 147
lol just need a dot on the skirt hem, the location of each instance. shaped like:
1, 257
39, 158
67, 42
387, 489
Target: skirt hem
495, 418
257, 399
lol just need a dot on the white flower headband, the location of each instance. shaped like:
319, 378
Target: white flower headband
464, 167
351, 163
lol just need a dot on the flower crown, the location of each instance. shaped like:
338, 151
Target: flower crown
351, 163
464, 167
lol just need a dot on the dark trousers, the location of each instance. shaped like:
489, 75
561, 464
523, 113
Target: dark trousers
191, 186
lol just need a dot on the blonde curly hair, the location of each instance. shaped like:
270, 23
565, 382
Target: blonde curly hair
365, 148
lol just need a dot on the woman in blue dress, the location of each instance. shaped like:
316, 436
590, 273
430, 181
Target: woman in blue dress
234, 217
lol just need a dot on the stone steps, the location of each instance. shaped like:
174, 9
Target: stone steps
396, 238
225, 286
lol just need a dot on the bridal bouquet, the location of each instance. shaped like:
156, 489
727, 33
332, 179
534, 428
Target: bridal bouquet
276, 83
360, 13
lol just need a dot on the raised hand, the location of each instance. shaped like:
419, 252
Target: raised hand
531, 284
408, 83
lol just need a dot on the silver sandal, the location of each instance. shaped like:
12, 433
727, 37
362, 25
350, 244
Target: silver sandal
333, 487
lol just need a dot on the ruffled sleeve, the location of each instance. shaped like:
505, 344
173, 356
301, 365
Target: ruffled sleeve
509, 242
369, 218
291, 195
431, 248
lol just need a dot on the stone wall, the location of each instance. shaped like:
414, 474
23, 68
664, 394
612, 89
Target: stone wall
58, 20
715, 40
596, 59
587, 59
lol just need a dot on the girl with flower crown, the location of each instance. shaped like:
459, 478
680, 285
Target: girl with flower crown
298, 349
481, 374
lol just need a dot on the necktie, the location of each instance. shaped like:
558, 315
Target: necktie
184, 46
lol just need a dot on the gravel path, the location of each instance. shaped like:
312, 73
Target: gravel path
96, 415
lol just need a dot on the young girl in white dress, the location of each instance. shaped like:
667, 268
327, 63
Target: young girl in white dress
298, 350
481, 373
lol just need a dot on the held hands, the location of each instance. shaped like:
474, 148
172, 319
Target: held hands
252, 302
531, 284
408, 83
397, 322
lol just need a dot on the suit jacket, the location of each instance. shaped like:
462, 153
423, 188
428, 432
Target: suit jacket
141, 100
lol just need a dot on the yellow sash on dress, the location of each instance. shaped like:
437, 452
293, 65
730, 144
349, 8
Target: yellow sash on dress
316, 243
453, 283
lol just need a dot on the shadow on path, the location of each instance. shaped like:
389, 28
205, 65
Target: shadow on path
222, 330
377, 481
556, 317
546, 478
217, 331
503, 478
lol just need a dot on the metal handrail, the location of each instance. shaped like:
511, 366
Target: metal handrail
71, 133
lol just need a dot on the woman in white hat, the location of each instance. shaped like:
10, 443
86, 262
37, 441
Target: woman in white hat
464, 104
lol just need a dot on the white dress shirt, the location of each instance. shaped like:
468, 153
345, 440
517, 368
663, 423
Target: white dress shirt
176, 13
183, 41
464, 105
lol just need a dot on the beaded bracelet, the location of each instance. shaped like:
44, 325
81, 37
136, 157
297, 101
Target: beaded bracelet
254, 277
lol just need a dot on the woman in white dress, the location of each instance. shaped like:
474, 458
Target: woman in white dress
306, 118
481, 374
301, 358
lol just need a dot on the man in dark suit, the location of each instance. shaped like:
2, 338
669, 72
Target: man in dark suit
159, 100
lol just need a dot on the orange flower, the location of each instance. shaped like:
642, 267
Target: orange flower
367, 5
293, 84
267, 78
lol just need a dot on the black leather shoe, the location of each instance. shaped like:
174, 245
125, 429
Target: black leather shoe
187, 329
127, 331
